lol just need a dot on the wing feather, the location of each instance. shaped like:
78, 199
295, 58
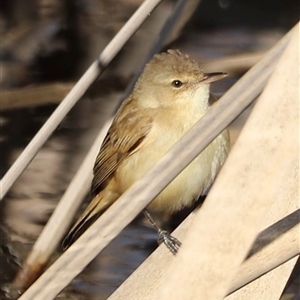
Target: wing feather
125, 136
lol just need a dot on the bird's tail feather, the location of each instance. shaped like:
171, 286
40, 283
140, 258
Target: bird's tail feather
89, 216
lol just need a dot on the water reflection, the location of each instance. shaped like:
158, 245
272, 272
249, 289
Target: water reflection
33, 198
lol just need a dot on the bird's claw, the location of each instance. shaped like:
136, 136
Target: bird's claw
170, 241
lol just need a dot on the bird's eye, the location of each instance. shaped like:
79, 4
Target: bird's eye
177, 83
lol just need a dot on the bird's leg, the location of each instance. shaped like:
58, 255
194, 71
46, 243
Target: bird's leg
164, 237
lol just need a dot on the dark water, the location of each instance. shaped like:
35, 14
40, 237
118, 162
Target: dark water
32, 199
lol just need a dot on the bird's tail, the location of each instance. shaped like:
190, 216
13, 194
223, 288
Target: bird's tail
97, 206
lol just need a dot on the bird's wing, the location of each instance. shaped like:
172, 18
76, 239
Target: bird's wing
125, 136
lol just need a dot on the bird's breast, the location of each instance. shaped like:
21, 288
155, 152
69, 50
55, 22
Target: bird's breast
191, 182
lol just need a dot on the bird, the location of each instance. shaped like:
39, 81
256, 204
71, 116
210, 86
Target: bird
170, 96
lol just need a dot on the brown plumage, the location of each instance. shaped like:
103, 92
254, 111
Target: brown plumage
170, 96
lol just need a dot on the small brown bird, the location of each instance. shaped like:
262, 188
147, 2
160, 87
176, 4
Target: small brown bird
171, 95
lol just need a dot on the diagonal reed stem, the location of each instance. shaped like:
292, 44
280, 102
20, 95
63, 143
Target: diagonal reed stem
75, 94
96, 238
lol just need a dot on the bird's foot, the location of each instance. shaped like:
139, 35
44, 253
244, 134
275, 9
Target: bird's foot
170, 241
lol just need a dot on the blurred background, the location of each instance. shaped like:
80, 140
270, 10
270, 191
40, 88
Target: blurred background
46, 45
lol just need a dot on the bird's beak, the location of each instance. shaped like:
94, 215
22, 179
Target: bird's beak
212, 77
